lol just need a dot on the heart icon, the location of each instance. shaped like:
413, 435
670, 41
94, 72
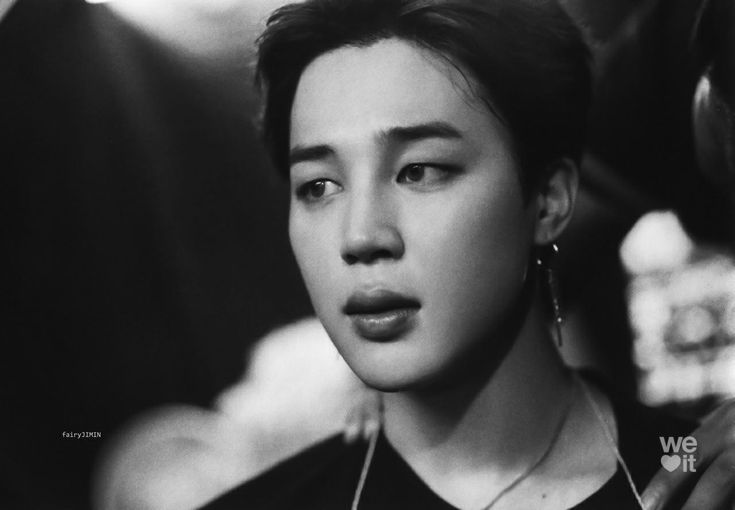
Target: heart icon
670, 462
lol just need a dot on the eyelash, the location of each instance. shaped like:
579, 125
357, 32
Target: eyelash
447, 171
302, 191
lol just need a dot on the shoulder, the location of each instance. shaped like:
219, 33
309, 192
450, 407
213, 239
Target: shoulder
166, 459
322, 476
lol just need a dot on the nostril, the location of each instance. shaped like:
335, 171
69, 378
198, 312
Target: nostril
380, 254
350, 259
367, 256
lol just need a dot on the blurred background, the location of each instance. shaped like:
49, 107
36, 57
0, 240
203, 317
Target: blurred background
147, 231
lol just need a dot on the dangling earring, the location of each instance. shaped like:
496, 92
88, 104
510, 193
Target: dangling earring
545, 260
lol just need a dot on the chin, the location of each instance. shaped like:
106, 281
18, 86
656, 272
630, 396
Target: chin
389, 384
386, 383
409, 363
399, 370
397, 374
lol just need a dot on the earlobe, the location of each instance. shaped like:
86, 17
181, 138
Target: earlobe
556, 198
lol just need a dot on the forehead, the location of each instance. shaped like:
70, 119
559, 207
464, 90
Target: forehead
354, 91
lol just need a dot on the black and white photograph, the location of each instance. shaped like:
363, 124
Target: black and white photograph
368, 254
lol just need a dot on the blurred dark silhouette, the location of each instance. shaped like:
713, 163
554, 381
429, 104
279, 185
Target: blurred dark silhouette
714, 107
641, 122
641, 157
147, 238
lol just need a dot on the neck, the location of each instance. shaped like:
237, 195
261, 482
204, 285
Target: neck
492, 426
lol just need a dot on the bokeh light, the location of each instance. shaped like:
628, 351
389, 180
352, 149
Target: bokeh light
681, 300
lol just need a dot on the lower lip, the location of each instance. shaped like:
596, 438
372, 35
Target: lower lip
384, 326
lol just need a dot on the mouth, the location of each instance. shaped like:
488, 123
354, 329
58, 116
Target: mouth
381, 315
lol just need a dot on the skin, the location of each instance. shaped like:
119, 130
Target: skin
403, 180
428, 237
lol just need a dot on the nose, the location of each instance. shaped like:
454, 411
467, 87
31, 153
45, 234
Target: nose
371, 233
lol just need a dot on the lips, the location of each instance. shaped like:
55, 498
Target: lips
381, 314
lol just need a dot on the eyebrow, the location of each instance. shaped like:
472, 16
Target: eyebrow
398, 134
405, 134
301, 154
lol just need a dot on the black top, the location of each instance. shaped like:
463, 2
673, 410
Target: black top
325, 475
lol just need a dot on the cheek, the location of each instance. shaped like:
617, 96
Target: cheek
304, 245
474, 256
312, 241
478, 226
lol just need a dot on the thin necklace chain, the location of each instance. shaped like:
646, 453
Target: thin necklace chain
365, 468
609, 436
560, 426
525, 474
518, 479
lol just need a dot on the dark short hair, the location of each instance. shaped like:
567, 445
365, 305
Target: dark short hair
526, 59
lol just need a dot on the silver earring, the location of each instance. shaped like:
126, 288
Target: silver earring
545, 262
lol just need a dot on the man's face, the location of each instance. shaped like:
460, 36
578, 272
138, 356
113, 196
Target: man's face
407, 216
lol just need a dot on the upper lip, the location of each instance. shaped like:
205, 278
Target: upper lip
377, 301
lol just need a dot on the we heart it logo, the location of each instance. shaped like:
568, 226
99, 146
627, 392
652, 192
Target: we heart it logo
682, 451
670, 462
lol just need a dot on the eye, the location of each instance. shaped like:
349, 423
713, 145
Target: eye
425, 174
316, 190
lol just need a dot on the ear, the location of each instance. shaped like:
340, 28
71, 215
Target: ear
555, 200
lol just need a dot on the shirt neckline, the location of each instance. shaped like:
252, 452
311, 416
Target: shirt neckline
392, 465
